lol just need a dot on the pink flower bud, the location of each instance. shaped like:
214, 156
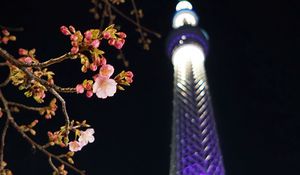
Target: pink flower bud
64, 30
74, 43
84, 69
95, 43
129, 74
5, 32
88, 35
106, 35
5, 40
97, 61
111, 42
93, 67
119, 43
121, 34
79, 89
74, 50
89, 94
72, 29
73, 37
103, 61
23, 51
27, 59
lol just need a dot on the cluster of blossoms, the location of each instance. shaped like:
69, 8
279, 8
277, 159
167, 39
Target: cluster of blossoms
24, 82
85, 137
82, 138
6, 37
102, 84
28, 74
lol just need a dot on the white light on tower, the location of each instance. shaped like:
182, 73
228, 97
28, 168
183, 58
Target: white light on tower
184, 15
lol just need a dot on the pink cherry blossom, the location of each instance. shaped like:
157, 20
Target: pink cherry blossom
104, 87
86, 136
106, 70
79, 89
75, 146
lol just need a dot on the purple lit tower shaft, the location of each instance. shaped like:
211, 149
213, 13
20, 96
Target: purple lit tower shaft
195, 147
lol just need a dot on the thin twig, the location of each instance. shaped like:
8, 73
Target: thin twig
52, 165
63, 107
3, 64
12, 29
32, 142
25, 106
137, 19
132, 21
4, 131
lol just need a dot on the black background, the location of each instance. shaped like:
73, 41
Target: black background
253, 72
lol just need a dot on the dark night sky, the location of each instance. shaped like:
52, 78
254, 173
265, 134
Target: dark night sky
252, 69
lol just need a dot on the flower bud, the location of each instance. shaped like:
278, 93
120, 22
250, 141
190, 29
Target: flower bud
74, 50
119, 43
106, 35
23, 51
111, 42
79, 89
72, 29
95, 43
89, 94
121, 34
93, 67
64, 30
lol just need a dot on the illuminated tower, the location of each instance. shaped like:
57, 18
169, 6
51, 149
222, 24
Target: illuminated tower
195, 147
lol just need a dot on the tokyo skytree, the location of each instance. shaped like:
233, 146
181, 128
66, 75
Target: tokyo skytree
195, 147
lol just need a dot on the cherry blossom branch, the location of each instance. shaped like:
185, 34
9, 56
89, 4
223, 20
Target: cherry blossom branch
4, 131
32, 142
51, 88
20, 65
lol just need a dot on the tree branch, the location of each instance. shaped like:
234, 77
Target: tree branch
32, 142
4, 131
25, 106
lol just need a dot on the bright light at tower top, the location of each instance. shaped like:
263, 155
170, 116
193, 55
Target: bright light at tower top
184, 15
186, 53
184, 5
